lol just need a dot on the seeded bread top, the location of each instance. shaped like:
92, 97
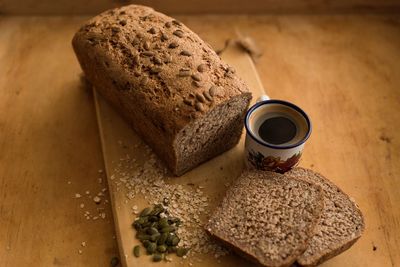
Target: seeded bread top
268, 217
341, 220
160, 62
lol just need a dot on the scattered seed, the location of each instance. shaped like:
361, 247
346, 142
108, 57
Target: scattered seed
168, 24
168, 229
136, 251
152, 231
144, 80
202, 67
200, 98
188, 102
115, 29
135, 41
114, 262
162, 248
155, 70
157, 60
145, 212
136, 59
184, 72
146, 45
178, 33
186, 53
97, 200
199, 106
180, 252
173, 45
151, 248
158, 257
77, 195
148, 53
207, 96
196, 77
216, 91
164, 37
152, 30
163, 237
175, 241
176, 22
197, 84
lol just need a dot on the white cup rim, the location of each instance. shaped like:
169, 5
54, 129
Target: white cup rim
285, 103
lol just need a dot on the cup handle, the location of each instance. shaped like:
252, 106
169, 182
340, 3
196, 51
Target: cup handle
263, 98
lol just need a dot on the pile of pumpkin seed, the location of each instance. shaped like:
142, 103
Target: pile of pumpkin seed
156, 230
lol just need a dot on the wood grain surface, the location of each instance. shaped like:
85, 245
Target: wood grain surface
92, 7
343, 70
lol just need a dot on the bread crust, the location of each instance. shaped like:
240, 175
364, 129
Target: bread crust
156, 72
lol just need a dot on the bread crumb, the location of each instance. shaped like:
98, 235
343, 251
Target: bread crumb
97, 200
82, 205
77, 195
80, 251
83, 244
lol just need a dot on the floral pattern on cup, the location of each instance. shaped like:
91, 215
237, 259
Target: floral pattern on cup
271, 163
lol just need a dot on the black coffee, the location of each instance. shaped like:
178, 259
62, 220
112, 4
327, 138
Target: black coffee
277, 130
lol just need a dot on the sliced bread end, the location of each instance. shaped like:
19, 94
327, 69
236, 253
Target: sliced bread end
341, 224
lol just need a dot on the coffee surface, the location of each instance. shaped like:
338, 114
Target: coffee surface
277, 130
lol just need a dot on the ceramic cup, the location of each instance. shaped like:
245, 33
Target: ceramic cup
274, 157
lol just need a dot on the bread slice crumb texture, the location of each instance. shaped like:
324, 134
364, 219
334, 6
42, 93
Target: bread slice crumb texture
268, 217
341, 223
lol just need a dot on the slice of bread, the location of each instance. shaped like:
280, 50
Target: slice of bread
268, 217
341, 224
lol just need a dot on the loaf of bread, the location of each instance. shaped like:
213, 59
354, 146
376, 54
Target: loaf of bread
341, 224
170, 85
268, 217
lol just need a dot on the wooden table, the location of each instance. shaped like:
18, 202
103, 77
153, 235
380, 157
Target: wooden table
344, 70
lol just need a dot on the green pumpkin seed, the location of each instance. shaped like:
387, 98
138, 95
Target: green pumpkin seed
153, 218
175, 241
163, 223
136, 251
136, 225
167, 229
146, 243
169, 239
152, 231
154, 237
151, 248
145, 212
180, 252
161, 240
142, 237
171, 249
174, 220
162, 248
114, 262
158, 257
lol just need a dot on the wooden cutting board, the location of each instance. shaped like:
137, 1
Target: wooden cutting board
119, 140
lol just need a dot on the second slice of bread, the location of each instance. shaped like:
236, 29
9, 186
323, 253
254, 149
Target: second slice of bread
268, 217
341, 223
